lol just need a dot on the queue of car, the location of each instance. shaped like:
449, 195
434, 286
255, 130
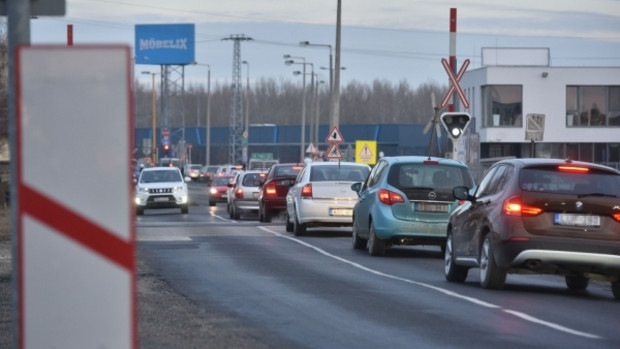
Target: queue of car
540, 216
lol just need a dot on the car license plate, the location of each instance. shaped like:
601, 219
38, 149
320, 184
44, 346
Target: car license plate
255, 195
430, 207
161, 199
340, 212
578, 220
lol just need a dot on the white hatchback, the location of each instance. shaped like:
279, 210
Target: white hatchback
161, 187
322, 195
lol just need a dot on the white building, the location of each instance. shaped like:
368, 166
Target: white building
581, 107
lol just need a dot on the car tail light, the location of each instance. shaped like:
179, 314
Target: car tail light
306, 191
616, 217
270, 189
573, 169
514, 207
389, 197
239, 193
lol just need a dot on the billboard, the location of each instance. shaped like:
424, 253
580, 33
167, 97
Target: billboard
165, 44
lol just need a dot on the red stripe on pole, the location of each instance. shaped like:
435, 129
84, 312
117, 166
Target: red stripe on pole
453, 20
69, 34
77, 228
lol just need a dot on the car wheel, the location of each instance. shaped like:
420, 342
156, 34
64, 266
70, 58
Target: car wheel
261, 218
231, 213
139, 211
289, 224
491, 276
266, 215
615, 289
376, 246
298, 228
576, 282
453, 272
211, 203
234, 212
358, 242
184, 209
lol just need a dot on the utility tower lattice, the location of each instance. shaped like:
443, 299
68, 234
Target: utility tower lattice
236, 105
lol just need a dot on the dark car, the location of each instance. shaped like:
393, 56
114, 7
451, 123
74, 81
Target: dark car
544, 216
272, 195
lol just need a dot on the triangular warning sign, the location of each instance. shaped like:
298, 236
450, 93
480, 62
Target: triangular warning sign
334, 136
366, 154
334, 152
311, 149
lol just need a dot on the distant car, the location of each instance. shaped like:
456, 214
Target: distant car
207, 173
272, 195
406, 200
244, 193
161, 187
218, 191
544, 216
322, 195
193, 171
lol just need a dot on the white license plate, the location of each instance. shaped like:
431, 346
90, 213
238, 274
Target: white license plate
160, 199
255, 195
341, 212
578, 220
430, 207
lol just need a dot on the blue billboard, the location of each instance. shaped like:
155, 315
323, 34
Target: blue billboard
165, 44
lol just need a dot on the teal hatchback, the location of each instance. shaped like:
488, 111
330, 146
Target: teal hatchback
407, 200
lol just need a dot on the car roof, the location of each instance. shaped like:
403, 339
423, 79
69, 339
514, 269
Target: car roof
161, 168
421, 159
525, 162
334, 163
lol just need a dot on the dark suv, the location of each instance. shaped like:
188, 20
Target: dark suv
545, 216
272, 195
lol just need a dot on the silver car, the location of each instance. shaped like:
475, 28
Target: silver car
322, 195
243, 193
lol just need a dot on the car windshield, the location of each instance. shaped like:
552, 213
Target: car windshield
251, 180
221, 181
287, 171
160, 176
428, 176
552, 180
338, 173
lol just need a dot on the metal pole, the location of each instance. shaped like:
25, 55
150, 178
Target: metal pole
154, 121
303, 115
18, 16
208, 138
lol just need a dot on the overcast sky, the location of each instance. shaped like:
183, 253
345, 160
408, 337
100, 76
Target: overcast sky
391, 40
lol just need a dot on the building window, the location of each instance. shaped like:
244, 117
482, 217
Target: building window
591, 106
502, 105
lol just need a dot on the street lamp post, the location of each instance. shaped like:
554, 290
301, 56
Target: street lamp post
246, 134
290, 60
208, 123
154, 118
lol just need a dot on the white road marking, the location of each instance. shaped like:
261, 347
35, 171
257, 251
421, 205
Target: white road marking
447, 292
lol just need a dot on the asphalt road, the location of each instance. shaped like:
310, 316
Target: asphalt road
315, 291
205, 281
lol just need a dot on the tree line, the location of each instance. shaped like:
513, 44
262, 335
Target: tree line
279, 102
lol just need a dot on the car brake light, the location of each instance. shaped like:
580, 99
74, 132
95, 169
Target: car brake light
239, 193
389, 197
514, 207
306, 191
616, 217
270, 189
573, 169
431, 162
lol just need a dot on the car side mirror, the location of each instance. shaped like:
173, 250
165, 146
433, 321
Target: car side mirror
356, 187
187, 179
461, 193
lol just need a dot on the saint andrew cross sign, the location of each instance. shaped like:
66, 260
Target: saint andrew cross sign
454, 83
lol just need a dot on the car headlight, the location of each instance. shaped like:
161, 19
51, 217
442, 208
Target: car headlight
213, 191
178, 189
143, 190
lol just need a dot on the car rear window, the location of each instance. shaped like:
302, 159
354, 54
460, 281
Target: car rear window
428, 176
552, 179
287, 171
252, 179
338, 173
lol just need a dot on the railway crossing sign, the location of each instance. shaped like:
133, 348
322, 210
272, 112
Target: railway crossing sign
454, 84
